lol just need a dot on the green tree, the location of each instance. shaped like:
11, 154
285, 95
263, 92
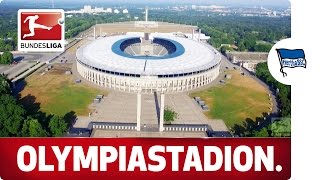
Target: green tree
58, 127
6, 58
281, 128
223, 49
32, 128
262, 47
8, 47
241, 46
262, 133
11, 116
284, 94
2, 45
170, 115
13, 121
4, 85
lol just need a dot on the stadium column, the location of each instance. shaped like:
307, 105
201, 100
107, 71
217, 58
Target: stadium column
161, 112
94, 33
192, 34
138, 110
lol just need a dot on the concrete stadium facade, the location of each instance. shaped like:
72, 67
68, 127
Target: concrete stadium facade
148, 84
199, 65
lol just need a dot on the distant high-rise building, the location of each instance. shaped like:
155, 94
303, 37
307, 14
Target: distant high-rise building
125, 11
87, 8
116, 11
98, 9
207, 7
109, 10
90, 10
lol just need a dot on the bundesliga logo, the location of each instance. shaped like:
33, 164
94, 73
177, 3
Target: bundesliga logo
41, 30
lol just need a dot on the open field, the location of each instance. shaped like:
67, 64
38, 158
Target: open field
58, 94
239, 99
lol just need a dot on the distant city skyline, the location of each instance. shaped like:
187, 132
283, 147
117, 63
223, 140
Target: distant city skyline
275, 3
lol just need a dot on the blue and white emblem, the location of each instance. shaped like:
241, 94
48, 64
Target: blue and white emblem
291, 58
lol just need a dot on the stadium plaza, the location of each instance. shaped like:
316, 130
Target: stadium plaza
146, 66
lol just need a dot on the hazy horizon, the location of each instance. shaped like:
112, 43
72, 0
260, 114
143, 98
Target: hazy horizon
59, 3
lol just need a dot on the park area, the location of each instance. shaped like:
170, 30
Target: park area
239, 99
57, 93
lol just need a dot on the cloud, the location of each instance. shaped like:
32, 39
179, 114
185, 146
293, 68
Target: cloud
1, 1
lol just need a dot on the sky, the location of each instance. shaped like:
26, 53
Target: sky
281, 3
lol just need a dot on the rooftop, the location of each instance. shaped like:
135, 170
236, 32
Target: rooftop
196, 57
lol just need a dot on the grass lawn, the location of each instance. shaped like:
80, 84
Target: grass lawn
58, 94
241, 98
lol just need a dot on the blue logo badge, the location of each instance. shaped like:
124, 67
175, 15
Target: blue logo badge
291, 58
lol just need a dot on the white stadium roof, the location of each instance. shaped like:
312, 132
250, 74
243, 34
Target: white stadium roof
197, 56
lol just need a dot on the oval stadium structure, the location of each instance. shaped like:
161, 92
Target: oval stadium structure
159, 63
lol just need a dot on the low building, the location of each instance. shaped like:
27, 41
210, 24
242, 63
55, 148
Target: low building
248, 60
109, 10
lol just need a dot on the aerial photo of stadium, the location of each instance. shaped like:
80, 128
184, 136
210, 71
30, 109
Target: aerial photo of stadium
143, 77
161, 63
149, 63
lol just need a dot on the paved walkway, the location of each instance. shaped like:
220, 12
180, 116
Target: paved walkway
104, 133
121, 107
188, 109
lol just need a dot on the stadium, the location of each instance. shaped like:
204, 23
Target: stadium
147, 62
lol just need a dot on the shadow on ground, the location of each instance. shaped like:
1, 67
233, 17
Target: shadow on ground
33, 109
250, 125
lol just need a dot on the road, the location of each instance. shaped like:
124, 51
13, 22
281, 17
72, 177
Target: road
25, 61
29, 62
